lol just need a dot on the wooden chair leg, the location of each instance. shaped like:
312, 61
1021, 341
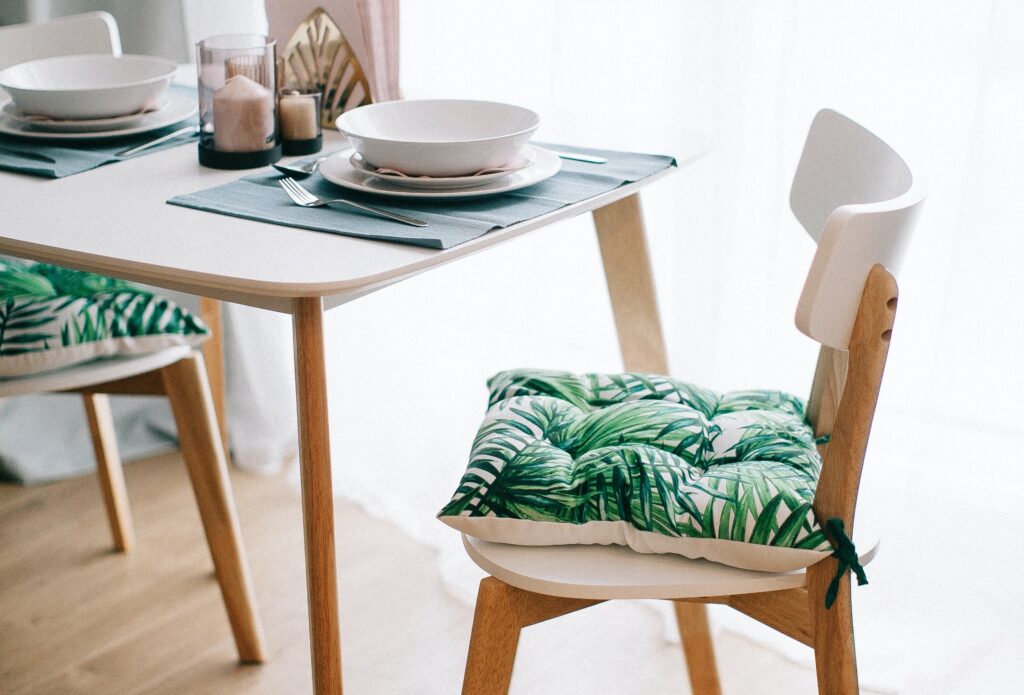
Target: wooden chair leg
835, 656
186, 386
213, 355
497, 622
502, 611
698, 649
108, 469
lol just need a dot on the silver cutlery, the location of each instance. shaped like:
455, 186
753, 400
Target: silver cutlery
581, 157
192, 129
300, 196
28, 155
300, 172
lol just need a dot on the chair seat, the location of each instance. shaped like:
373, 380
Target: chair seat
644, 461
615, 572
53, 317
90, 373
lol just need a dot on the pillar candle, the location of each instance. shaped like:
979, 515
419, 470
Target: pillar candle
299, 117
243, 116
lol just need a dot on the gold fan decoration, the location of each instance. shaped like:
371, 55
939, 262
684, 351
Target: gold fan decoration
318, 56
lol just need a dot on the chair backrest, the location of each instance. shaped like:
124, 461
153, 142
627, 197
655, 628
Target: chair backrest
91, 32
370, 26
859, 200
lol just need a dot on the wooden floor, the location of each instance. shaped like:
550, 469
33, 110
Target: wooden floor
77, 618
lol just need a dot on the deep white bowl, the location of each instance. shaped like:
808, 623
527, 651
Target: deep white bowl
438, 137
88, 86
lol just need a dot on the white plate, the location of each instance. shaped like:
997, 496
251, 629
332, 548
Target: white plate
338, 170
179, 107
90, 125
527, 155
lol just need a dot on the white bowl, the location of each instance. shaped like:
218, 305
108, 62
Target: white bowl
88, 86
438, 137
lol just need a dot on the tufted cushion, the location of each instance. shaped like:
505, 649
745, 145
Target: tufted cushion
52, 317
645, 461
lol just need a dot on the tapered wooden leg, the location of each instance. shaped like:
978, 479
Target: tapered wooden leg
502, 611
201, 447
697, 648
108, 469
835, 656
213, 354
317, 496
627, 269
497, 622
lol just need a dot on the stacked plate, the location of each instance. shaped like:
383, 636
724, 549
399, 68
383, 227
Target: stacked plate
439, 148
85, 97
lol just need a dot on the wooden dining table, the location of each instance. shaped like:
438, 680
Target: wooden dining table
114, 220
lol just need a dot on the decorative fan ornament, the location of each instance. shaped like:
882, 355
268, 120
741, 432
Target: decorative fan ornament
318, 56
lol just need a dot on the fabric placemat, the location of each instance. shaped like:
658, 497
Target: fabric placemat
56, 159
451, 221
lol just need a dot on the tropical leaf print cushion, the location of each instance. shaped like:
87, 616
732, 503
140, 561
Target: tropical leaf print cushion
52, 317
646, 461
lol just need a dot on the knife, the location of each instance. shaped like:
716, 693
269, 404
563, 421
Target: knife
192, 129
581, 157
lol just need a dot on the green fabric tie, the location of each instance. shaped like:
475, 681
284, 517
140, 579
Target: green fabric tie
844, 551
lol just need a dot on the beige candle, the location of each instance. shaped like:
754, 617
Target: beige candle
299, 116
243, 116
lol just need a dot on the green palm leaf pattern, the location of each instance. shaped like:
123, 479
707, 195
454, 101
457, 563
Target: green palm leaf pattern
44, 308
660, 454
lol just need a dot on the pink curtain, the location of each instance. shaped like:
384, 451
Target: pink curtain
370, 26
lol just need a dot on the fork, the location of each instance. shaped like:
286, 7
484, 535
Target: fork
300, 196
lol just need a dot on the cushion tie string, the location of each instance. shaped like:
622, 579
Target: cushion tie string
845, 552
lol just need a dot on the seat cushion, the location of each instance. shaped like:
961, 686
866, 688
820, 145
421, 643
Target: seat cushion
52, 317
646, 461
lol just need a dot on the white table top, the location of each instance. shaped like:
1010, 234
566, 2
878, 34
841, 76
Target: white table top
114, 220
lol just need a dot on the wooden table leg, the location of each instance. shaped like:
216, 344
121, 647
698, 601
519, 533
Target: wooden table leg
627, 270
317, 496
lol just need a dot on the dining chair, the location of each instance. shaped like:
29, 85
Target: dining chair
97, 32
859, 201
352, 39
177, 373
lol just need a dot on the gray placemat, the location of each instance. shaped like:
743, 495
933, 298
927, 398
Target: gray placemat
451, 221
56, 159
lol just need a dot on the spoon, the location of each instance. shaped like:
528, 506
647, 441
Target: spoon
300, 172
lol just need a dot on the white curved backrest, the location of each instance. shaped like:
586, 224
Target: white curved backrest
859, 200
91, 32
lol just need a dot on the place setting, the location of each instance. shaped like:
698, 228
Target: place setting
65, 115
427, 172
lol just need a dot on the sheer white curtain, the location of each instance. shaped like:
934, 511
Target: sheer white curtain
261, 402
941, 81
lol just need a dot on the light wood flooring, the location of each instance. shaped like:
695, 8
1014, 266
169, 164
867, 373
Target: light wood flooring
78, 618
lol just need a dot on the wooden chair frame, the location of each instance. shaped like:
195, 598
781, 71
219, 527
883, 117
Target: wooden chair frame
185, 384
842, 403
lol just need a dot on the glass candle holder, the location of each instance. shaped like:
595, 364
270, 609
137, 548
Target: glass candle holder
237, 105
299, 117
